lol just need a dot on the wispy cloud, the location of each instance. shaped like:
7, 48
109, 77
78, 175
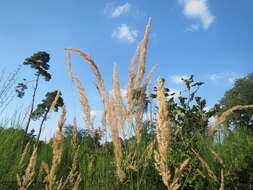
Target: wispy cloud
177, 79
125, 33
121, 9
229, 76
192, 28
114, 11
198, 9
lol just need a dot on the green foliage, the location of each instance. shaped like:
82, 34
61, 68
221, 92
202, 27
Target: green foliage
240, 94
43, 108
188, 112
39, 62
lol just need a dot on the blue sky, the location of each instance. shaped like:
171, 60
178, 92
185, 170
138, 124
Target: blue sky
210, 39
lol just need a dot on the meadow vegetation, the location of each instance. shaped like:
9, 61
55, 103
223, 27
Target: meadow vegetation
156, 141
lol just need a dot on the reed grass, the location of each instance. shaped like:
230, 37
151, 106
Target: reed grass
130, 161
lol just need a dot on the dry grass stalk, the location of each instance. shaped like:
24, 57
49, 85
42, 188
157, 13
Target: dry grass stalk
85, 105
94, 68
224, 116
54, 103
147, 154
131, 77
175, 185
57, 147
201, 173
77, 182
217, 157
25, 181
222, 184
111, 114
147, 80
73, 174
74, 133
96, 72
163, 134
120, 108
114, 122
139, 114
205, 164
144, 44
69, 66
24, 153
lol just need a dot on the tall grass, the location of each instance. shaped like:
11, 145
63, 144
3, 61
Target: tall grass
136, 160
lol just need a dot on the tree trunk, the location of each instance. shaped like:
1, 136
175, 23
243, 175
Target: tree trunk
32, 105
41, 124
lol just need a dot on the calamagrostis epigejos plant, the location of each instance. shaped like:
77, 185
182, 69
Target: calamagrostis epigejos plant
143, 55
69, 66
57, 147
119, 106
205, 165
27, 179
223, 117
163, 134
163, 137
115, 112
210, 172
85, 105
111, 114
73, 176
24, 153
139, 78
54, 103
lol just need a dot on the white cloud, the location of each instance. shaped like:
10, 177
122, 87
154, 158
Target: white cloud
125, 33
229, 76
115, 11
192, 28
198, 9
121, 9
178, 78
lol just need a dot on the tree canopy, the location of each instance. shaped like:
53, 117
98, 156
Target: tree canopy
240, 94
43, 108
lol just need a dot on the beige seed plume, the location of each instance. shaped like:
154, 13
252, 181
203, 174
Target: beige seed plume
144, 44
120, 107
85, 105
205, 164
114, 125
131, 77
224, 116
96, 72
147, 80
28, 177
57, 147
54, 103
163, 134
93, 66
69, 66
24, 153
175, 185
